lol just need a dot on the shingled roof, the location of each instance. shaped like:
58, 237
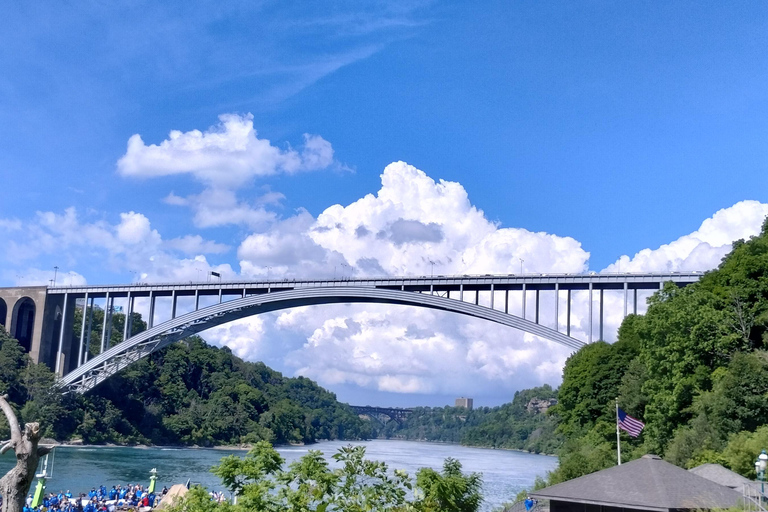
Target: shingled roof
722, 476
648, 483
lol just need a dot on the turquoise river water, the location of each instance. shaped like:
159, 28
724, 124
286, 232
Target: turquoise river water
80, 468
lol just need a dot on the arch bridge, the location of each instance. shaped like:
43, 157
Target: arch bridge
43, 318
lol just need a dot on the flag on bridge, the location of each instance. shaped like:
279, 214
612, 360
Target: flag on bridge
631, 425
215, 274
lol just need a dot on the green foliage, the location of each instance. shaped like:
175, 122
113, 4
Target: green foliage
262, 483
742, 450
693, 369
29, 390
449, 491
188, 393
510, 426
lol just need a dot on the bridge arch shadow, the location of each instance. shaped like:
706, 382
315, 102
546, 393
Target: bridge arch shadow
23, 321
141, 345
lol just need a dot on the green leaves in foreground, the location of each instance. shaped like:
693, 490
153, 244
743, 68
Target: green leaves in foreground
359, 485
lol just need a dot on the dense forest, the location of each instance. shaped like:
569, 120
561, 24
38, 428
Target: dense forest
517, 425
189, 393
694, 368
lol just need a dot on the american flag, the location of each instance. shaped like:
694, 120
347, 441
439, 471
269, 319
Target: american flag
630, 424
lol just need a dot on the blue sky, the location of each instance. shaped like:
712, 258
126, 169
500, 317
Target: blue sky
613, 127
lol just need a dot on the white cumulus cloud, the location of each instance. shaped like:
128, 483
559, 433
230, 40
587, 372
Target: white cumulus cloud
226, 155
704, 248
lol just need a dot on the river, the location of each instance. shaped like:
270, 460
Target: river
78, 469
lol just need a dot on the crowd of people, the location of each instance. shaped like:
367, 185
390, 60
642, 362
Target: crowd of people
98, 499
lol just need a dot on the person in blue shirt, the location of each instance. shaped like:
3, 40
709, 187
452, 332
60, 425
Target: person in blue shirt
122, 493
528, 504
68, 494
112, 493
92, 493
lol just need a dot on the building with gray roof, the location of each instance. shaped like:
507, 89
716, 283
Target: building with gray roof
648, 483
722, 476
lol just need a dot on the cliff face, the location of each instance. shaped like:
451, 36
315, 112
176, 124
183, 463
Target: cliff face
539, 406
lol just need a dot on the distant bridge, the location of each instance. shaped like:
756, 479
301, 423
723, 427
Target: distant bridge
42, 318
393, 413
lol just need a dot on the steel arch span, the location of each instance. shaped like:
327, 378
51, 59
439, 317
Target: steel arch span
103, 366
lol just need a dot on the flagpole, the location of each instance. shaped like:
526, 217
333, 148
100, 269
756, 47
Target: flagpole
618, 437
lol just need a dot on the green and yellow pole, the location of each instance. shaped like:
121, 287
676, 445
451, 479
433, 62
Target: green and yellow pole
37, 499
152, 480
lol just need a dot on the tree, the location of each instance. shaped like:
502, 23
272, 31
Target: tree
360, 485
451, 490
15, 485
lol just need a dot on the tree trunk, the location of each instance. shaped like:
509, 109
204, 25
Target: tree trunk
15, 485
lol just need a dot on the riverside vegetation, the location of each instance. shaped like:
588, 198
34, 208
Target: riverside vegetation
189, 393
694, 368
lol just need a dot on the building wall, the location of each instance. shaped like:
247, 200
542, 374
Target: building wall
12, 297
467, 403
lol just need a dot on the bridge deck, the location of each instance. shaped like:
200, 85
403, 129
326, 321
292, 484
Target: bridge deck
633, 281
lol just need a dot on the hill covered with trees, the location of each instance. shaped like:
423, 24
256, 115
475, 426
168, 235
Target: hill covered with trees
514, 425
694, 368
189, 393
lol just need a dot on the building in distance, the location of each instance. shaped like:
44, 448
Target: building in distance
464, 402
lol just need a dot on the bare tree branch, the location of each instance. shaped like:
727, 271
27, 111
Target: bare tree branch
13, 421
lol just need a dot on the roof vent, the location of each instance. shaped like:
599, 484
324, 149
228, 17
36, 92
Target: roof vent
651, 456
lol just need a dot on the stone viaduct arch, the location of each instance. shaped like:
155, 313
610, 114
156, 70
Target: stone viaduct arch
22, 312
23, 321
101, 367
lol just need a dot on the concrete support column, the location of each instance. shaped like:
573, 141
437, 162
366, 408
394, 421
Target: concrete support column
601, 315
151, 322
568, 313
82, 331
220, 294
127, 320
557, 306
111, 309
590, 312
104, 323
88, 334
431, 289
197, 299
506, 301
523, 300
477, 296
461, 292
626, 298
129, 316
537, 305
492, 294
173, 304
635, 301
59, 369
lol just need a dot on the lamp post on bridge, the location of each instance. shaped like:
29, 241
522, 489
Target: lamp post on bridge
521, 264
